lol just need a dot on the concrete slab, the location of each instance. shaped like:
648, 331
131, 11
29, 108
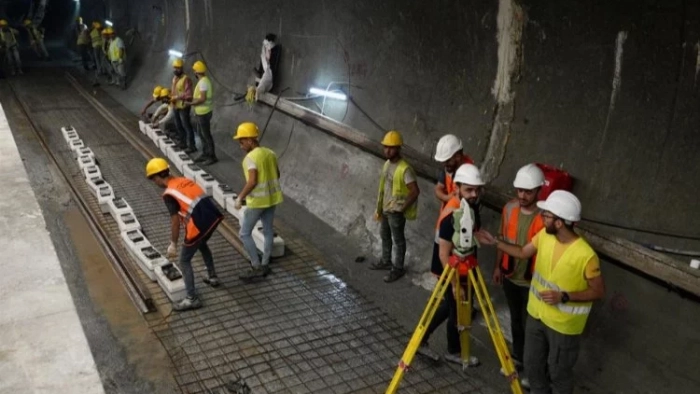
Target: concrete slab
43, 348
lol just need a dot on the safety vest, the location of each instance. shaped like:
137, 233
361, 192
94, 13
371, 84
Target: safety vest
35, 34
205, 107
83, 35
511, 213
451, 205
267, 191
398, 188
568, 275
115, 53
7, 37
96, 38
197, 213
179, 89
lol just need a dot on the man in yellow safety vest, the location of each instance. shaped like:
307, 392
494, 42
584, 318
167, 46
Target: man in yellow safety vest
181, 95
116, 53
36, 39
83, 41
202, 102
97, 53
261, 193
8, 44
398, 194
565, 282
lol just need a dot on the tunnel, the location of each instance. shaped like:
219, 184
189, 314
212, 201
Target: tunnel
604, 93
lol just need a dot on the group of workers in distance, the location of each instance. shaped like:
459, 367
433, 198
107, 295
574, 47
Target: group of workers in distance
550, 275
102, 50
9, 44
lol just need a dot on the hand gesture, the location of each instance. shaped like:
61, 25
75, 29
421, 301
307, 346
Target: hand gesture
484, 237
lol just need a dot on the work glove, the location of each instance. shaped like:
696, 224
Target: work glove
239, 204
172, 250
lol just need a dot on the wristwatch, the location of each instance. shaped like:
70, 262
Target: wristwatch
564, 297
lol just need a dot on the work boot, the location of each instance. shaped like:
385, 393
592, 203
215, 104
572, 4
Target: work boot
425, 350
394, 275
380, 265
209, 161
201, 159
252, 274
266, 270
457, 359
212, 281
187, 304
525, 383
190, 150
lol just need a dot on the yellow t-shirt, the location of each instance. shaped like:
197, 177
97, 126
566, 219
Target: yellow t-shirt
592, 267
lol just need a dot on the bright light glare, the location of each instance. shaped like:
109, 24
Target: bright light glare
175, 53
108, 23
334, 95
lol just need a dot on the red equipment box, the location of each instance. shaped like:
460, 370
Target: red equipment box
554, 179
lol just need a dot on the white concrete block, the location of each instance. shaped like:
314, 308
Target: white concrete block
171, 152
180, 161
95, 183
157, 136
86, 152
91, 171
128, 222
145, 255
277, 241
86, 161
118, 207
164, 143
221, 193
170, 278
69, 134
191, 171
105, 194
206, 182
75, 145
142, 126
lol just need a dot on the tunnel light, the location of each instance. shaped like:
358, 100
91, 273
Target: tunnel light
175, 53
326, 93
109, 23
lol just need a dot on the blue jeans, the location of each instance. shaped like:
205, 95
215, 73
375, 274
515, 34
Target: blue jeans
186, 255
250, 217
184, 127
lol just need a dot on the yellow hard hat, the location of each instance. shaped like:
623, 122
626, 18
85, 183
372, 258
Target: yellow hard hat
27, 22
156, 166
96, 25
178, 63
392, 138
3, 22
199, 67
156, 91
246, 130
164, 93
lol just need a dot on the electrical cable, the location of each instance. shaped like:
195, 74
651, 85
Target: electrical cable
289, 140
641, 230
352, 100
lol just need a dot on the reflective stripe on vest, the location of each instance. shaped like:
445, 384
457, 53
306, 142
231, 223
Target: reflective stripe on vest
188, 194
398, 188
267, 191
567, 275
511, 213
180, 90
205, 107
96, 38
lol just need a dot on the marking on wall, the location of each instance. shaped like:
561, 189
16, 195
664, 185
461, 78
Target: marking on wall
616, 82
208, 14
187, 15
510, 20
697, 63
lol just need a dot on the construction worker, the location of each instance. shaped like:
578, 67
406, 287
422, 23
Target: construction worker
8, 43
450, 154
398, 194
164, 116
117, 56
202, 103
83, 41
461, 209
182, 94
36, 39
565, 282
97, 49
520, 221
190, 207
261, 193
154, 100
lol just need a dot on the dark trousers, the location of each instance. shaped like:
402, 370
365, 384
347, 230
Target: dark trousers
517, 297
549, 358
184, 127
85, 56
186, 255
446, 311
204, 124
392, 234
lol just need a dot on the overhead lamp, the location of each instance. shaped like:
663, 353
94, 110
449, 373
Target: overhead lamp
329, 94
109, 23
175, 53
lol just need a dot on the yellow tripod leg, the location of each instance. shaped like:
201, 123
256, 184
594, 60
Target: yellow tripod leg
494, 327
425, 319
464, 324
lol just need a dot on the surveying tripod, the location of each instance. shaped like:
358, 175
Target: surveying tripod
475, 285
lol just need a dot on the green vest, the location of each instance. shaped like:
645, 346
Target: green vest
205, 107
96, 38
267, 191
8, 37
35, 35
114, 52
398, 188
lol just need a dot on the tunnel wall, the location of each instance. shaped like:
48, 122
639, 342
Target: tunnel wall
606, 90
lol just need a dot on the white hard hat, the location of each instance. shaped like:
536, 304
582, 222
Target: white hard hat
469, 174
447, 146
529, 177
563, 204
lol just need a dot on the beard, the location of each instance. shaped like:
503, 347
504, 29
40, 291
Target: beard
551, 230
